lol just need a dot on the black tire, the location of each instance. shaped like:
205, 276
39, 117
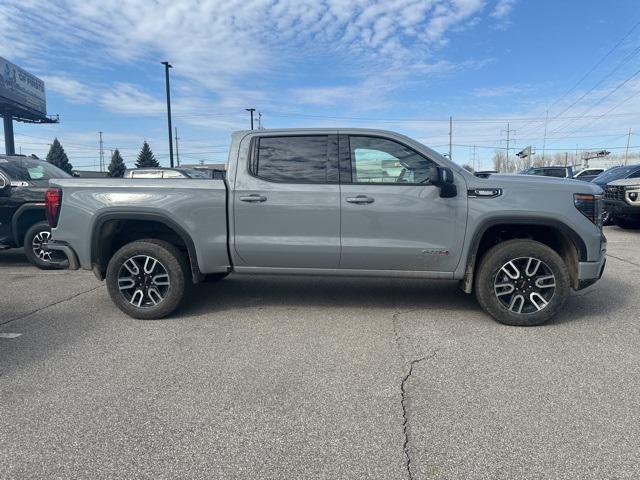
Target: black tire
170, 260
35, 238
493, 281
627, 223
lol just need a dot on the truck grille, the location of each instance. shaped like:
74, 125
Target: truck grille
614, 192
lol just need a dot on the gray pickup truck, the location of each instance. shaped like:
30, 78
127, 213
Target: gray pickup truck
335, 202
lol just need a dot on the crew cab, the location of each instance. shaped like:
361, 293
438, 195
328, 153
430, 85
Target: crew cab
354, 202
23, 182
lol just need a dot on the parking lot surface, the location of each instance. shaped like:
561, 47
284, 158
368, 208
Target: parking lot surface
273, 377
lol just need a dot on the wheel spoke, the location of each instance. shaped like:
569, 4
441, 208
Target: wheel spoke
538, 300
511, 270
132, 266
548, 281
504, 289
161, 279
125, 283
154, 295
533, 264
517, 302
149, 264
137, 298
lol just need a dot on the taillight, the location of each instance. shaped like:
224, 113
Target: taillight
52, 201
589, 206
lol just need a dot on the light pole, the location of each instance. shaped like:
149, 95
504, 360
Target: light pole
251, 110
167, 66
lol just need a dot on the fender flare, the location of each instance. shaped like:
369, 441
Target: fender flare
568, 232
104, 217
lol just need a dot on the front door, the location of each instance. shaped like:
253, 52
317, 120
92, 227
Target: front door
287, 203
392, 218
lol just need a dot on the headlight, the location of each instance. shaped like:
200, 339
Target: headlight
632, 194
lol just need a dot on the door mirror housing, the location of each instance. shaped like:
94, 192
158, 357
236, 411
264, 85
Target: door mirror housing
5, 186
442, 177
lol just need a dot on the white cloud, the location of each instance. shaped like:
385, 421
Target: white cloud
503, 9
69, 88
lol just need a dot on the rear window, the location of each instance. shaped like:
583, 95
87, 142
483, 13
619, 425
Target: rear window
30, 170
299, 159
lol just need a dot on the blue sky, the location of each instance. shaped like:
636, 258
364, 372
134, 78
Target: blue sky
403, 65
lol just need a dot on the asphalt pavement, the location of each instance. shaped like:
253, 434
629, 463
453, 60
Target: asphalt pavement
332, 378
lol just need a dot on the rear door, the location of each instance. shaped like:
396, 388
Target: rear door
392, 218
287, 202
6, 210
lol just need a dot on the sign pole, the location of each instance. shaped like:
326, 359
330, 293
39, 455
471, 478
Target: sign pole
9, 144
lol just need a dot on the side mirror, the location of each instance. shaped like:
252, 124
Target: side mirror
5, 186
442, 177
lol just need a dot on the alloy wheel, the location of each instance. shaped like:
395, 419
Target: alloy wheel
143, 281
39, 243
525, 285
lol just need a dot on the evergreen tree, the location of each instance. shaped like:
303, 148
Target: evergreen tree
57, 157
146, 158
116, 167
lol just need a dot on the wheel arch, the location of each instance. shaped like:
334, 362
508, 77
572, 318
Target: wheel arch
109, 224
24, 217
553, 233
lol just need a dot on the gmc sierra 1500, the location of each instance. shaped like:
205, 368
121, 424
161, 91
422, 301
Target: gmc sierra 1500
335, 202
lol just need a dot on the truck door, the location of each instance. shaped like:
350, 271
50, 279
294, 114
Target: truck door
392, 218
287, 203
6, 209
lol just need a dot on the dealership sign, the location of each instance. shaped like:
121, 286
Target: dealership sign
20, 89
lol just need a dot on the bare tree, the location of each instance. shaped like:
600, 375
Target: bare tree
499, 160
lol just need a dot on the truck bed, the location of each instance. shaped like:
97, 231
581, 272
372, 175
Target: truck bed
197, 207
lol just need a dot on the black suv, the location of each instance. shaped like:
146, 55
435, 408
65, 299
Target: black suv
23, 182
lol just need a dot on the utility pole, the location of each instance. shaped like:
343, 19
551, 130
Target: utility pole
544, 141
450, 138
177, 151
101, 153
251, 110
626, 152
167, 66
259, 120
508, 131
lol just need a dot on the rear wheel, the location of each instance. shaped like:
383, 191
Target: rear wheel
35, 248
522, 283
147, 279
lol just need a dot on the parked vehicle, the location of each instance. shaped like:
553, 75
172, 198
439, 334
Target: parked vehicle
165, 173
23, 182
560, 172
485, 173
335, 202
588, 174
611, 175
622, 201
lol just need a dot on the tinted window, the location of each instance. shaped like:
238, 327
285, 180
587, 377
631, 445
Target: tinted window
378, 160
614, 173
294, 160
635, 174
555, 172
28, 169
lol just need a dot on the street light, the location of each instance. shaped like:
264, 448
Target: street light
251, 110
167, 66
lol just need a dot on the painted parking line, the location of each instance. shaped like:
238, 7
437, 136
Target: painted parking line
10, 335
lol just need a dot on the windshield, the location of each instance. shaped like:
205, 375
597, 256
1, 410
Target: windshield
614, 173
30, 170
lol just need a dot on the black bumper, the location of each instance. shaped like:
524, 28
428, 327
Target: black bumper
621, 208
72, 259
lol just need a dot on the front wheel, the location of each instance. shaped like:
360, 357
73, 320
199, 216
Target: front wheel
522, 282
147, 279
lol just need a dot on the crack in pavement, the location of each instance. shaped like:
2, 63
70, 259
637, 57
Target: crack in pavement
403, 390
624, 260
20, 317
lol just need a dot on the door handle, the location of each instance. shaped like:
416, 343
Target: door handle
360, 199
253, 198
